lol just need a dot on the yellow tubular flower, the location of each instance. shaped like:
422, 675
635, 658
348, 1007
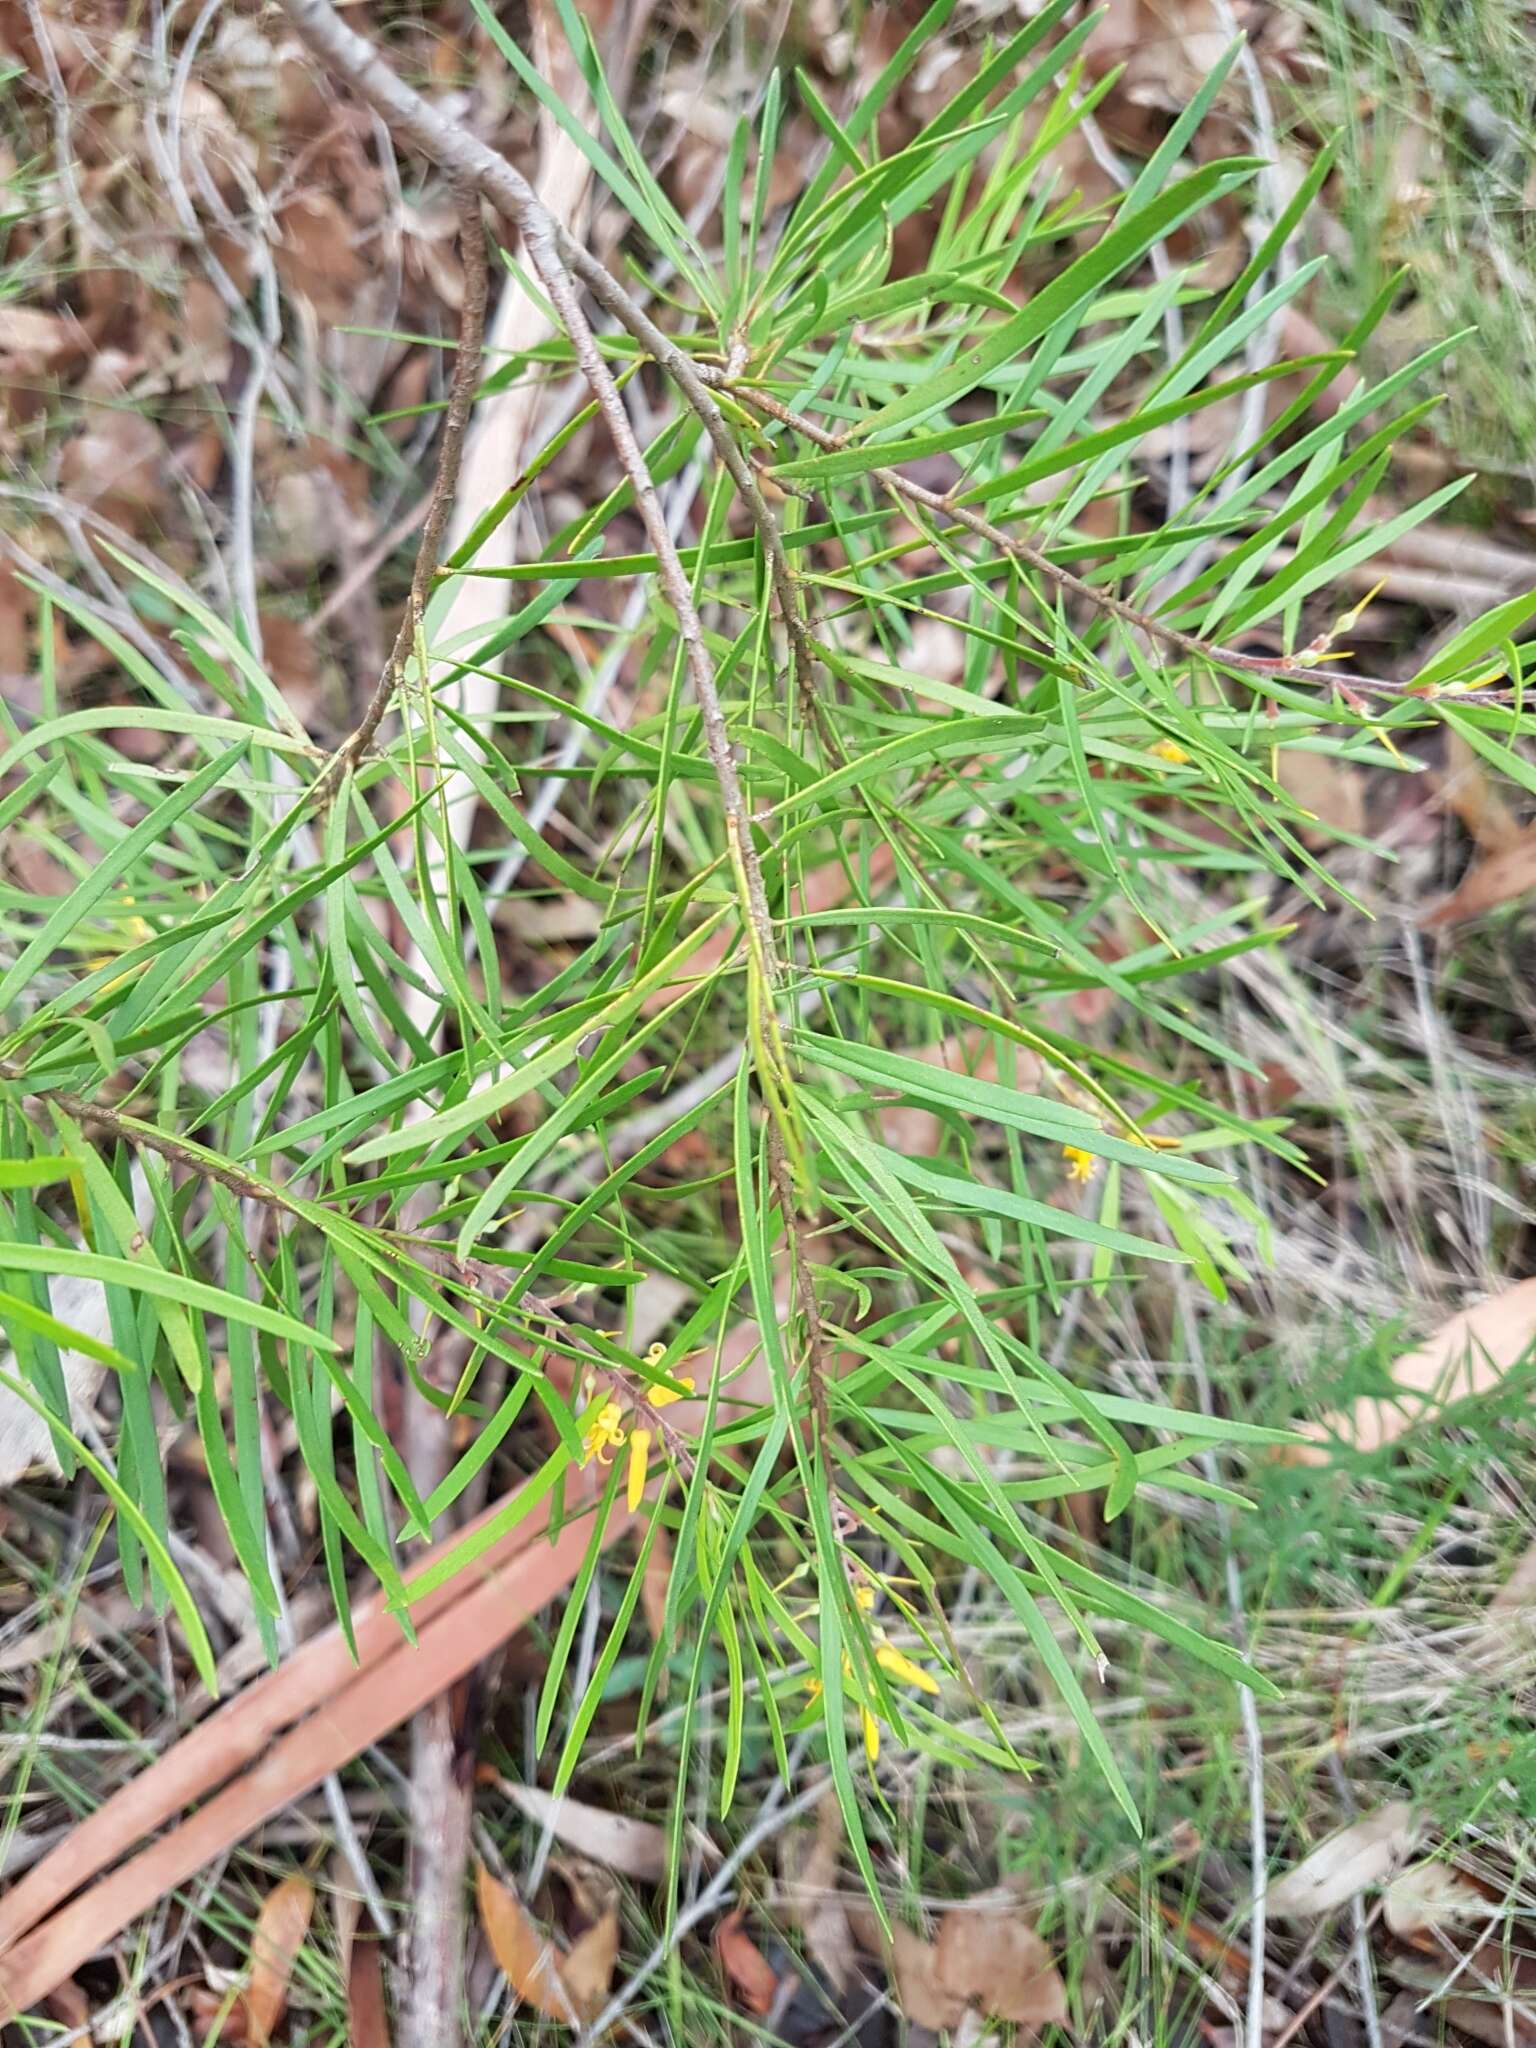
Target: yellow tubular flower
1169, 751
639, 1451
890, 1659
1080, 1164
663, 1397
603, 1434
871, 1735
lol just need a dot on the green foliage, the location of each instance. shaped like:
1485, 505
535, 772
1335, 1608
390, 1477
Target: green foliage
1072, 811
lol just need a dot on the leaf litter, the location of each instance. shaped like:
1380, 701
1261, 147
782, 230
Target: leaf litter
570, 1988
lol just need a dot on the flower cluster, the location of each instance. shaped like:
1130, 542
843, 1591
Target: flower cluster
890, 1659
1080, 1164
606, 1433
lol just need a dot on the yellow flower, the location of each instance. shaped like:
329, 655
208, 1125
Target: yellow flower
137, 932
890, 1659
864, 1598
639, 1451
1080, 1164
603, 1434
1169, 751
663, 1397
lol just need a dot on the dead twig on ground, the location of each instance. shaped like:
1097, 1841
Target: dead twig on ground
271, 1745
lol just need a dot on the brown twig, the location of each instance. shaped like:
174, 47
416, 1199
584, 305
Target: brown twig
143, 1137
461, 398
817, 1362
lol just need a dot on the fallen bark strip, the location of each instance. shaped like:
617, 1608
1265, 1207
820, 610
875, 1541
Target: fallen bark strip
330, 1708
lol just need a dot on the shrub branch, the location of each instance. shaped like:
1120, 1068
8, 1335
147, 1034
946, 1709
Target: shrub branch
461, 399
1276, 667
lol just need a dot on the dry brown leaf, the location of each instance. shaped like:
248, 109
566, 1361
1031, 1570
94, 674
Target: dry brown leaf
211, 143
281, 1927
569, 1988
1350, 1862
526, 1956
1301, 336
1166, 49
1489, 883
1469, 791
1496, 2021
746, 1968
117, 465
316, 500
1327, 787
995, 1961
317, 256
1495, 1984
70, 2007
635, 1848
987, 1959
1429, 1896
913, 1964
808, 1869
367, 2012
29, 331
587, 1971
1470, 1354
293, 661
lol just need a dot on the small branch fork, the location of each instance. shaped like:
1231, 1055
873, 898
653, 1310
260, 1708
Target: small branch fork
558, 260
461, 399
193, 1160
